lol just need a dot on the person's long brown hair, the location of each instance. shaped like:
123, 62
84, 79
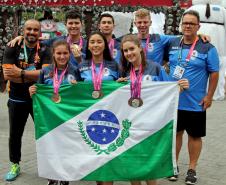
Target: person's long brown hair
59, 43
125, 65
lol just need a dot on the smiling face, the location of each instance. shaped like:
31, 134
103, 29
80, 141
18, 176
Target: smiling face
190, 25
61, 56
96, 45
32, 31
74, 26
132, 52
143, 24
106, 25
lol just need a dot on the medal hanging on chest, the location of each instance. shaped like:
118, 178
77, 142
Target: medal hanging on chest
36, 56
75, 48
135, 87
56, 84
97, 81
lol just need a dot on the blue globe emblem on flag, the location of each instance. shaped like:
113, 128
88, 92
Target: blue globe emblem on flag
102, 127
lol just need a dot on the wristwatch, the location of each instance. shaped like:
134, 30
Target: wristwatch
22, 74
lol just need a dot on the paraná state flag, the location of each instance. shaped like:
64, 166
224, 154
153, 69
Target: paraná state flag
106, 139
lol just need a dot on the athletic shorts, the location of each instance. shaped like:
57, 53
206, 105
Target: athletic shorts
193, 122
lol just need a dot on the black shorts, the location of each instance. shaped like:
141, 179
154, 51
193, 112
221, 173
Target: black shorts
193, 122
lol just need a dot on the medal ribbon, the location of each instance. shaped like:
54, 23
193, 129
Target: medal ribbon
190, 51
135, 84
56, 82
97, 78
36, 59
146, 46
70, 42
111, 46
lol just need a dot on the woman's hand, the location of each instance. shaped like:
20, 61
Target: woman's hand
73, 82
32, 90
122, 79
184, 84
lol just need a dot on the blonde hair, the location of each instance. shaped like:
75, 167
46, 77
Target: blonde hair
142, 13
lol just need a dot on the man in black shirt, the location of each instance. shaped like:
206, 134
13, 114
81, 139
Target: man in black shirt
21, 65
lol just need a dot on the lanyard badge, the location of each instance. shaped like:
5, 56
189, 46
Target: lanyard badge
180, 68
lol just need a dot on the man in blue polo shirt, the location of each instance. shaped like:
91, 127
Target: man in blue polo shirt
73, 21
191, 58
153, 44
106, 25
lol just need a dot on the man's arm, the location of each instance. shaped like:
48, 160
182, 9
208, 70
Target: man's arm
7, 76
213, 68
207, 100
9, 60
15, 74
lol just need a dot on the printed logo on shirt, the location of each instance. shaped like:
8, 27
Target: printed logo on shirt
70, 78
30, 67
47, 76
216, 9
84, 69
147, 78
21, 56
175, 48
194, 55
106, 72
150, 47
115, 53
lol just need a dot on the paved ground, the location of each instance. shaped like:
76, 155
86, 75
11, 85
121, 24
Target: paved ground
211, 168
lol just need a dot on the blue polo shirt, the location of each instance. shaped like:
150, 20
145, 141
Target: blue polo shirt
46, 75
111, 70
153, 72
156, 47
117, 51
204, 60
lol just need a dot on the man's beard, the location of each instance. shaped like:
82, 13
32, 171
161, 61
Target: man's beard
32, 40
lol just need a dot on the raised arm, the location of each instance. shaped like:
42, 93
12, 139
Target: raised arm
17, 40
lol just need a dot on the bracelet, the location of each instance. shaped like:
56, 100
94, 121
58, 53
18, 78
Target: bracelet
22, 74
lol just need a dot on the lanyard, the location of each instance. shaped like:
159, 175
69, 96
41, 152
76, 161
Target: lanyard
111, 46
135, 82
190, 51
97, 78
70, 42
56, 81
36, 59
146, 45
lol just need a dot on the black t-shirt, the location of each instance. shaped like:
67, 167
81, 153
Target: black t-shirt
15, 55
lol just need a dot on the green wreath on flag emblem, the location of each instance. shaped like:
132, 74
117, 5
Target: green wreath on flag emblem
111, 147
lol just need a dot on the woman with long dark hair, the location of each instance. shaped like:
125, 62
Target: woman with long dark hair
98, 65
